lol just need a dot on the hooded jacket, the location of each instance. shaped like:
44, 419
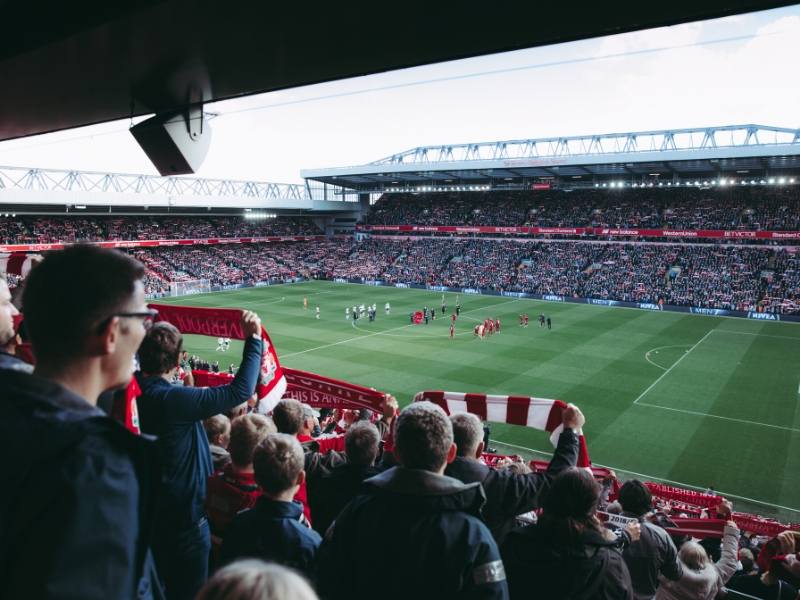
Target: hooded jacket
413, 534
539, 567
78, 508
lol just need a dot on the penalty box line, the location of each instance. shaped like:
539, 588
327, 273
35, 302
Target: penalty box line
653, 477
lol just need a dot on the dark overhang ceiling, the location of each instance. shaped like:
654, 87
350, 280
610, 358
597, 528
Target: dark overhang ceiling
68, 64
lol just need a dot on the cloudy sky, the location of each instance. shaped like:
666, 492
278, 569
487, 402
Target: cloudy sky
727, 71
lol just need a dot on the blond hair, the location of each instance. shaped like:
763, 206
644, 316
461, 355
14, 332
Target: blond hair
256, 580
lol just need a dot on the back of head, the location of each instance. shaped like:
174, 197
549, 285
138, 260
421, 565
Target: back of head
423, 436
288, 416
71, 293
570, 505
361, 443
256, 580
467, 433
277, 461
694, 556
216, 426
161, 349
247, 432
635, 497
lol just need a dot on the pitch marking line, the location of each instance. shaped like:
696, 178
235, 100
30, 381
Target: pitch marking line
700, 414
645, 476
675, 364
385, 331
655, 350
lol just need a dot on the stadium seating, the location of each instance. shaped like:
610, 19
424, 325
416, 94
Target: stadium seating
759, 208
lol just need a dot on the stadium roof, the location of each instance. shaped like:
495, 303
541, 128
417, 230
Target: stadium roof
666, 155
68, 64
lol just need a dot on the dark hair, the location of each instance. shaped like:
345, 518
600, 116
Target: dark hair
246, 433
160, 348
570, 505
361, 443
635, 497
423, 436
277, 461
71, 293
288, 416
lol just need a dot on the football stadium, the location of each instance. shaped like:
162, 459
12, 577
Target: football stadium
563, 366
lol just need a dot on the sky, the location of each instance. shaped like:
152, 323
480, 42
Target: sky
726, 71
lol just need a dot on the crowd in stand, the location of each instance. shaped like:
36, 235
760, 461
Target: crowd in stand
348, 504
727, 277
752, 208
71, 229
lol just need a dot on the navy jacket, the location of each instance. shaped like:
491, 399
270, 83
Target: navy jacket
175, 415
332, 492
414, 534
272, 531
78, 502
509, 494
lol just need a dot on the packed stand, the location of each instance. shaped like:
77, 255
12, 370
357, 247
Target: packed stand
70, 229
757, 208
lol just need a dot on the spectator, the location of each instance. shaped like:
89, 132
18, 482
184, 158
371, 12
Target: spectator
76, 513
218, 432
655, 551
256, 580
701, 578
507, 493
568, 554
234, 488
417, 517
8, 336
174, 414
335, 489
275, 529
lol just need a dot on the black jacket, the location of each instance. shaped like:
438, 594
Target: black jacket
414, 534
509, 494
78, 503
332, 492
537, 567
272, 531
652, 554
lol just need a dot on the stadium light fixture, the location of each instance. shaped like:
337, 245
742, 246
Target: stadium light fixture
782, 180
660, 184
752, 182
791, 180
771, 180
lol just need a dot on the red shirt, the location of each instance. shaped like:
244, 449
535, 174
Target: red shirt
325, 446
228, 493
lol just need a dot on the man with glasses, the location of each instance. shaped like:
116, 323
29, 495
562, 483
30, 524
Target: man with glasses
76, 513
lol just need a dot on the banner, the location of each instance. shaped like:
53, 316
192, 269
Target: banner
315, 390
600, 231
163, 243
226, 323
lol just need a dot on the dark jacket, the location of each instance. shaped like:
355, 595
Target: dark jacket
272, 531
9, 362
509, 494
175, 415
428, 525
538, 567
333, 491
652, 554
77, 507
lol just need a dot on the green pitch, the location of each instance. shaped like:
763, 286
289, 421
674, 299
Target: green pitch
699, 401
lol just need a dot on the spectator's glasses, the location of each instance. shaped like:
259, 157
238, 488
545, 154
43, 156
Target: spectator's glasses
147, 317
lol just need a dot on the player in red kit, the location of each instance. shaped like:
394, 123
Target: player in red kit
497, 325
452, 329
